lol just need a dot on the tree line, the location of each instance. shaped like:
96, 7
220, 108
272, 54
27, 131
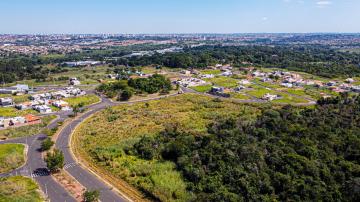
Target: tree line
318, 60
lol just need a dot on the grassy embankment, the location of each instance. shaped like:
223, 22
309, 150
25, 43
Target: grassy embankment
26, 130
19, 189
11, 157
102, 140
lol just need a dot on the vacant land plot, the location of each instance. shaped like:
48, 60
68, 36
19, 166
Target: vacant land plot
12, 112
202, 89
103, 139
19, 189
211, 71
223, 81
86, 100
11, 157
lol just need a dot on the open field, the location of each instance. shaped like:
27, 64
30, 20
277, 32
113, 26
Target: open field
86, 100
211, 71
26, 130
19, 189
223, 81
102, 139
202, 89
16, 98
11, 157
86, 75
12, 112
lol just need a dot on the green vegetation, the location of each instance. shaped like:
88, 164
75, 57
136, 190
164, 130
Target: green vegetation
85, 100
105, 138
317, 60
12, 112
17, 98
47, 144
223, 81
91, 196
240, 96
202, 89
211, 71
285, 155
54, 160
27, 130
11, 156
124, 89
18, 188
259, 92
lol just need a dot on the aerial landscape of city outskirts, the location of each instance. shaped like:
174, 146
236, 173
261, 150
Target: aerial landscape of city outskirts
178, 110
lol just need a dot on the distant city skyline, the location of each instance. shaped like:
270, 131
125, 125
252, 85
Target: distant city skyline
178, 16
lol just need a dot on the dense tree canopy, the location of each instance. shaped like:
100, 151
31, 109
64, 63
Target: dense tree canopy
318, 60
124, 89
286, 155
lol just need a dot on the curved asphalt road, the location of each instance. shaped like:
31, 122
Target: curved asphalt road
35, 167
82, 175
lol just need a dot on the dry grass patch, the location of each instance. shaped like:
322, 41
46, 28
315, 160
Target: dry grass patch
11, 157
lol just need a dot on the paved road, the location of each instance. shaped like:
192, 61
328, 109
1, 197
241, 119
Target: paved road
83, 176
35, 166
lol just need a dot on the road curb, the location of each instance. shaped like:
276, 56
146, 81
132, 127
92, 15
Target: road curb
89, 169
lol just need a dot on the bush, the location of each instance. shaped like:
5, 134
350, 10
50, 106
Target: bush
55, 160
47, 144
91, 196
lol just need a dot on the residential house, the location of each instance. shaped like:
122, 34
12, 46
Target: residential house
31, 119
43, 109
270, 97
74, 81
5, 102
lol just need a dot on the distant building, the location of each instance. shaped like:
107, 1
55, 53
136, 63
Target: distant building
74, 81
19, 88
5, 102
43, 109
82, 63
349, 80
270, 97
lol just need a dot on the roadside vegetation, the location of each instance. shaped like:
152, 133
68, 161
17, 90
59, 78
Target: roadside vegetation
11, 157
18, 188
104, 139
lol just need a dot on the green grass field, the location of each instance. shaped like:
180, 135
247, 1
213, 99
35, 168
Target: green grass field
202, 89
12, 112
86, 100
26, 130
102, 139
17, 98
223, 81
11, 156
19, 189
211, 71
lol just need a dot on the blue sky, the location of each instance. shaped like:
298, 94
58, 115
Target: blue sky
178, 16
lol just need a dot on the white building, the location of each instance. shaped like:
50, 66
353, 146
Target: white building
74, 81
270, 97
43, 109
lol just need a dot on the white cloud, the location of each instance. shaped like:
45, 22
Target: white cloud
265, 18
323, 3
